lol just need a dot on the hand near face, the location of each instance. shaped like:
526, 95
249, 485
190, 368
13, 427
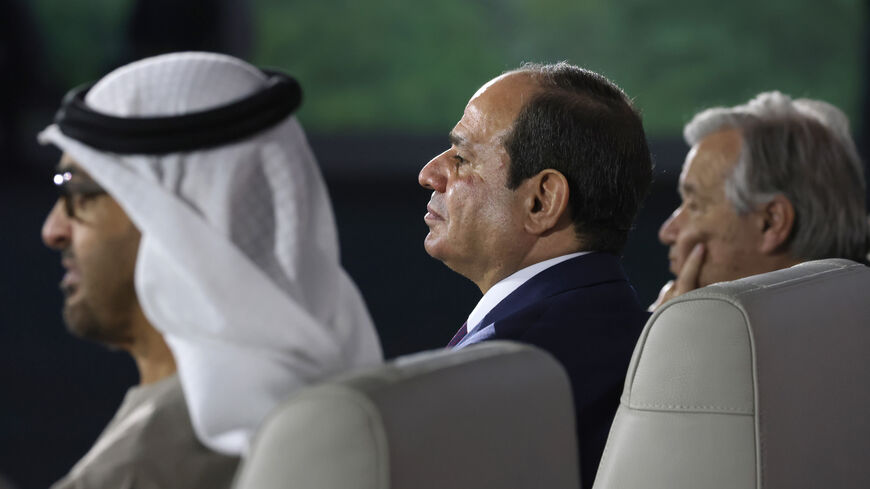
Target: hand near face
708, 241
687, 278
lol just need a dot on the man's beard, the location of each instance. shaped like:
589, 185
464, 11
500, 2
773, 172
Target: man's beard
82, 320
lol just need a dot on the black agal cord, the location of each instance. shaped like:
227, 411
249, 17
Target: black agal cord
196, 130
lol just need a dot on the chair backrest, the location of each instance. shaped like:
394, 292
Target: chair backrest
495, 415
763, 383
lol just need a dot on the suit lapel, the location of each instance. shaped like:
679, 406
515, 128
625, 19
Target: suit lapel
582, 271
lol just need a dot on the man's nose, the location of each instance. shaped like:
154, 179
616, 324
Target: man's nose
670, 228
56, 228
432, 176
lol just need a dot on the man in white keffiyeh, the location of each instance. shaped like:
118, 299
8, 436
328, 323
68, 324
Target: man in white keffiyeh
238, 261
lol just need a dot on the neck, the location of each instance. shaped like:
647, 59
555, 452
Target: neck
150, 351
495, 276
781, 261
543, 249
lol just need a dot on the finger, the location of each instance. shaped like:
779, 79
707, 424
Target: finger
688, 278
664, 295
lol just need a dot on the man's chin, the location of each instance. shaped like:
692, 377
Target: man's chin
430, 244
78, 319
82, 322
436, 247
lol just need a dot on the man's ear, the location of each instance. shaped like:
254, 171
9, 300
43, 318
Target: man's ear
777, 220
546, 201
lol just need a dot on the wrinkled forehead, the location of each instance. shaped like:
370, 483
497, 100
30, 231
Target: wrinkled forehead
711, 161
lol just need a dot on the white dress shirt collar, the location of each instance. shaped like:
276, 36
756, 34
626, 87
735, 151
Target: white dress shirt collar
504, 287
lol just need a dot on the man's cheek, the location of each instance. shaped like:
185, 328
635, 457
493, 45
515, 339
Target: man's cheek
684, 249
716, 265
707, 274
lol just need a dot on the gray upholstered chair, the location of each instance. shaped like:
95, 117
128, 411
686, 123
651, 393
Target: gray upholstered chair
759, 383
497, 415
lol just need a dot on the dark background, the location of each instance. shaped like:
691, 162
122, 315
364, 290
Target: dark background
371, 137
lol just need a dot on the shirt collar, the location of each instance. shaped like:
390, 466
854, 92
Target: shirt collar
505, 286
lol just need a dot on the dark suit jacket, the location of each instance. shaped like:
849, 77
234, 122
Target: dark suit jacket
586, 314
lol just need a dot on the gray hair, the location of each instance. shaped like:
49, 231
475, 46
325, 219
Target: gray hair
801, 149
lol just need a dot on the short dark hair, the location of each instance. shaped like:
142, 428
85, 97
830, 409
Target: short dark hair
585, 127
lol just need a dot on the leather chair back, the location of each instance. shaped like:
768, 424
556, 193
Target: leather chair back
495, 415
763, 382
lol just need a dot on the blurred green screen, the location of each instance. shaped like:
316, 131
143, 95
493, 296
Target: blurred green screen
409, 67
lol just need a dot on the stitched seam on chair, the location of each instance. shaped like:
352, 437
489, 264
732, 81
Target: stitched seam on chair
823, 275
759, 436
605, 454
374, 424
644, 336
691, 409
695, 408
641, 347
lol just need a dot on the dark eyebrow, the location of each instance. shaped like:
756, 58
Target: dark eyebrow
455, 139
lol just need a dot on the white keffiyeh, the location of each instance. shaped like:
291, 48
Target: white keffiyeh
238, 264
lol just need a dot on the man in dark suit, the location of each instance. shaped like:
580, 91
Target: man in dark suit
533, 203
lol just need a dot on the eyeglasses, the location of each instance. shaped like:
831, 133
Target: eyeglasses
75, 194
